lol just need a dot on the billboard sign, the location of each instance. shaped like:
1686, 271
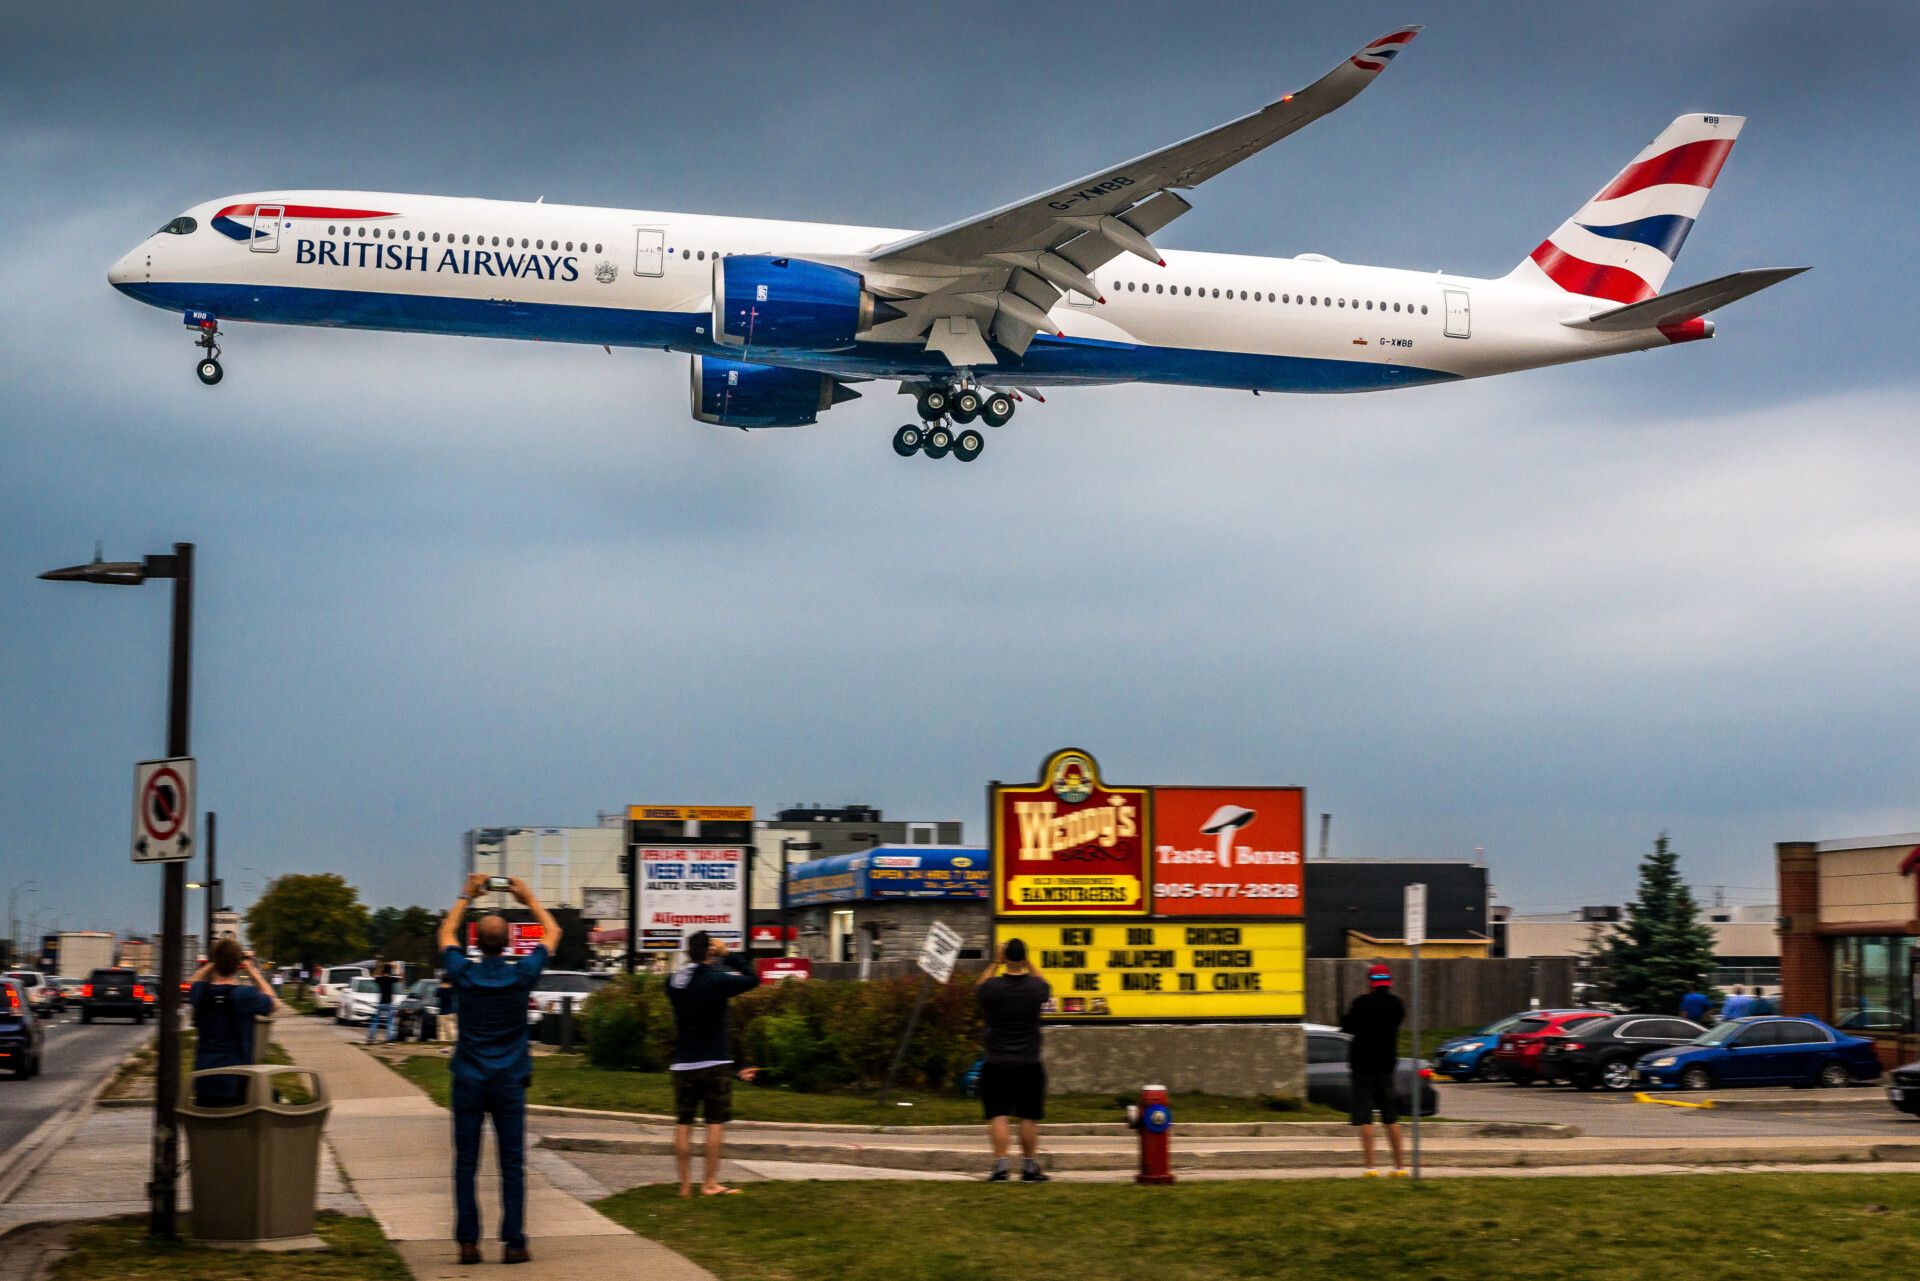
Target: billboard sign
1135, 970
602, 902
1068, 844
892, 872
684, 889
522, 937
1228, 851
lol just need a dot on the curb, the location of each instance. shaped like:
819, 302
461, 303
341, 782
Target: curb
1206, 1129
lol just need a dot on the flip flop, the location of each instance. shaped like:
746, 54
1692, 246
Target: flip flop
719, 1191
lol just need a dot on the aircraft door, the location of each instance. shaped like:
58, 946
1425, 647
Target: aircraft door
266, 228
649, 253
1459, 315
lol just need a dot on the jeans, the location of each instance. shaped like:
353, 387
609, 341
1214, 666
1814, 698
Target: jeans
506, 1103
382, 1014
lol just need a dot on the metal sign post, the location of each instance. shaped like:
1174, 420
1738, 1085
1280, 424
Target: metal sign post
1416, 934
937, 955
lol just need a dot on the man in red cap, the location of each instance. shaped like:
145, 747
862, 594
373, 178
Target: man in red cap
1373, 1023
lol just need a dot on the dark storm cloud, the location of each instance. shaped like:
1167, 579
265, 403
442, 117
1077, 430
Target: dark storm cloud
450, 583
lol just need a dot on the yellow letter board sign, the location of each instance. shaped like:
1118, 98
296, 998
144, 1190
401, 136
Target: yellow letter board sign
1144, 970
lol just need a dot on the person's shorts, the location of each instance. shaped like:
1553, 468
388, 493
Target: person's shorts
707, 1089
1013, 1089
1371, 1091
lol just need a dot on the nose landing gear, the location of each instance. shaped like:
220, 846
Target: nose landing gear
209, 341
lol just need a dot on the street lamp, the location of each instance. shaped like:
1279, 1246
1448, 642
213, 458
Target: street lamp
162, 1188
13, 914
787, 846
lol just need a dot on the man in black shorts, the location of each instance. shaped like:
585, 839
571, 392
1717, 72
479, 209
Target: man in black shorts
1373, 1023
702, 1067
1012, 1081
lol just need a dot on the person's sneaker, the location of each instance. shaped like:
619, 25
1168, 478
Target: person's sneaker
998, 1176
1396, 1173
1034, 1174
515, 1254
1370, 1173
469, 1252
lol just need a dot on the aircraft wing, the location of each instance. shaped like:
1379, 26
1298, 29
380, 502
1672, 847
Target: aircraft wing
1004, 269
1685, 304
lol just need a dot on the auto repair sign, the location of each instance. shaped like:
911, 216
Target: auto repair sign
684, 890
1068, 844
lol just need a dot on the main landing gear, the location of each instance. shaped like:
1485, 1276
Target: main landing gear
946, 415
209, 341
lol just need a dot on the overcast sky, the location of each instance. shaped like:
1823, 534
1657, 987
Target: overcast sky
448, 583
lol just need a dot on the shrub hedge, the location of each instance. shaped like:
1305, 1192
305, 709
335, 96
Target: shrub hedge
812, 1034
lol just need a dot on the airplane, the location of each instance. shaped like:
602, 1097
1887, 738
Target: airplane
1065, 288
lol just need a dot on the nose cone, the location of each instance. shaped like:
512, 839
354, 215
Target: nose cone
130, 270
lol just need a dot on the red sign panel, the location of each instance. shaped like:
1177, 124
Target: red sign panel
784, 967
1228, 851
1068, 845
522, 937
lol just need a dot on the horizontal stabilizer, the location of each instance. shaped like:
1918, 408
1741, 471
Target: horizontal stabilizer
1686, 304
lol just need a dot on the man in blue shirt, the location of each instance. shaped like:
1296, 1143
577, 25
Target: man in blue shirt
491, 1065
224, 1010
1693, 1006
1737, 1006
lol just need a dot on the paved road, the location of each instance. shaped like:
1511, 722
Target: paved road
78, 1055
1617, 1115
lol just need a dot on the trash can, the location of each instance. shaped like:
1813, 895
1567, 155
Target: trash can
255, 1166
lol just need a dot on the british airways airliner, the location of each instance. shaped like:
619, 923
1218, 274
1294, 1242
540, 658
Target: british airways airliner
1065, 288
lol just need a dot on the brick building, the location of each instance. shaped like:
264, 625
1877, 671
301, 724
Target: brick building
1850, 936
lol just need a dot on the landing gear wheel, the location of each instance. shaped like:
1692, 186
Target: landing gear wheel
967, 445
939, 441
906, 441
209, 371
932, 404
966, 405
997, 409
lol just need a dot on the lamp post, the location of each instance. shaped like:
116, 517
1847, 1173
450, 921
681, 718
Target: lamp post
787, 846
162, 1186
13, 915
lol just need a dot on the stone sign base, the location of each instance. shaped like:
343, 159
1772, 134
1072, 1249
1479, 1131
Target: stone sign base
1237, 1060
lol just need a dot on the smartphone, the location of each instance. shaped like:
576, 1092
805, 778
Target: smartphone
499, 882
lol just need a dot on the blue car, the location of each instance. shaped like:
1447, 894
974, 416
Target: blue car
1465, 1058
1768, 1050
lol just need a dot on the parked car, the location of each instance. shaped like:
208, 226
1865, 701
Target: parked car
334, 983
357, 1002
1768, 1050
1871, 1020
1470, 1057
1903, 1090
415, 1007
554, 984
23, 1041
42, 993
1601, 1054
114, 992
1517, 1056
1329, 1085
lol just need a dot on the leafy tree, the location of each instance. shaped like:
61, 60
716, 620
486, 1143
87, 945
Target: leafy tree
1662, 949
315, 920
403, 934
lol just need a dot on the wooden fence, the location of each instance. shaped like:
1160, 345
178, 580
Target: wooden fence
1457, 992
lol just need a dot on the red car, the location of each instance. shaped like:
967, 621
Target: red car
1517, 1057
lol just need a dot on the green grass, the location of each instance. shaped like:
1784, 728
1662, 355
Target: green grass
567, 1081
1754, 1227
120, 1249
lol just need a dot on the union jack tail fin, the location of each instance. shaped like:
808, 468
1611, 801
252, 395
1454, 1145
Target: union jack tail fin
1622, 243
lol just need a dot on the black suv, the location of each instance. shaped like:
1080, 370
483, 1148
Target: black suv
115, 994
1602, 1054
1903, 1089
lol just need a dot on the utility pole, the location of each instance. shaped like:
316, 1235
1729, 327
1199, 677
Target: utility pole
213, 884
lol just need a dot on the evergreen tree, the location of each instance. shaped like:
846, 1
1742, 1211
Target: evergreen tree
1662, 949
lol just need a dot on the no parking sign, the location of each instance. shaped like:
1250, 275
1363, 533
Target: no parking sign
163, 810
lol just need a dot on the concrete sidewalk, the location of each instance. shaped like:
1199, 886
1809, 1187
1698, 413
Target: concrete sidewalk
395, 1147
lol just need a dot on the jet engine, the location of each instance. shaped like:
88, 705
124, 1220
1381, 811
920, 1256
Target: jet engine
761, 302
733, 393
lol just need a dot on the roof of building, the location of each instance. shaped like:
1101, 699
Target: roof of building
1867, 842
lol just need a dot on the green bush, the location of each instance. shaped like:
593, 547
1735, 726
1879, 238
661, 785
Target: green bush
817, 1034
628, 1024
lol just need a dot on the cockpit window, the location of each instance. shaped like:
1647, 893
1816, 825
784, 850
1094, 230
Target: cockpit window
181, 226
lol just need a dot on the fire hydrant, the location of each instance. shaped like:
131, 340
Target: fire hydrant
1154, 1120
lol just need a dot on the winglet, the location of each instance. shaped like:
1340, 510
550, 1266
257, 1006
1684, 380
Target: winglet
1377, 55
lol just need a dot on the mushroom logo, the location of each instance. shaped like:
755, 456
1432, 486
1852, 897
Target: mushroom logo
1227, 820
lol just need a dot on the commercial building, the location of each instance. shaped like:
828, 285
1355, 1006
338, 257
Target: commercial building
806, 833
878, 905
1746, 943
1356, 907
1850, 936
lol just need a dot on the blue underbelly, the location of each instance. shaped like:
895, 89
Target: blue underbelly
1049, 361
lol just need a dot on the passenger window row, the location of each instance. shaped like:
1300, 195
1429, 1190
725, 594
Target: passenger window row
1298, 300
522, 242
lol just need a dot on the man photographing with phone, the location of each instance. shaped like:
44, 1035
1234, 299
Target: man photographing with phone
1013, 1082
491, 1064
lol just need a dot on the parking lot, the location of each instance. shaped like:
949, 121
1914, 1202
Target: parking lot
1857, 1111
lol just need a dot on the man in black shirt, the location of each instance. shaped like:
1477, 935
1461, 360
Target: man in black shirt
1012, 1081
383, 1011
702, 1067
1372, 1023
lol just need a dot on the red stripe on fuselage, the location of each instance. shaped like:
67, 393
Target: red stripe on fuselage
1692, 164
302, 211
1595, 280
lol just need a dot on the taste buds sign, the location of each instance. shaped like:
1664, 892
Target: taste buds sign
1228, 851
1068, 844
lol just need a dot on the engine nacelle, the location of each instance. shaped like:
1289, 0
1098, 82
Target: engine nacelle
761, 302
732, 393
